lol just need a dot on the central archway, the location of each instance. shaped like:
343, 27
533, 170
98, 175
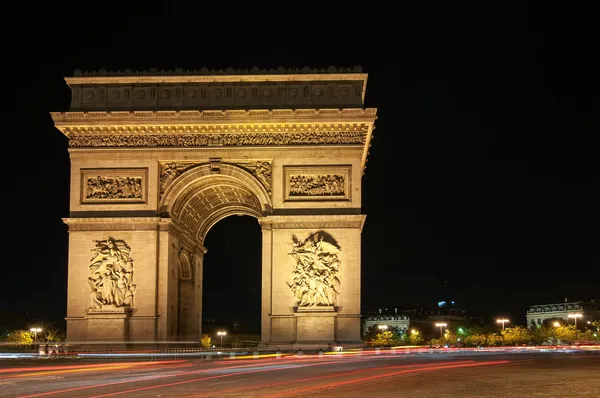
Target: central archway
195, 201
203, 195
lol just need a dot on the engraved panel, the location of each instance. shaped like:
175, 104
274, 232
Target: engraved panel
114, 185
317, 182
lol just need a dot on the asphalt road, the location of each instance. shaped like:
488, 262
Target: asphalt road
373, 375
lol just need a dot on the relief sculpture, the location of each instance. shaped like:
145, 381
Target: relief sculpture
169, 172
315, 281
261, 170
316, 185
231, 139
111, 275
113, 188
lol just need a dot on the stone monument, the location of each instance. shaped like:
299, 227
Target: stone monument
159, 157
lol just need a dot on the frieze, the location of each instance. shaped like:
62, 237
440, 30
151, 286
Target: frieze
321, 182
367, 114
113, 185
206, 140
312, 222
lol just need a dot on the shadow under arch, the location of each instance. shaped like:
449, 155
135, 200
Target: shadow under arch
201, 196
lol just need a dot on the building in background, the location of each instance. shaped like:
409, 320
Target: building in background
537, 314
387, 318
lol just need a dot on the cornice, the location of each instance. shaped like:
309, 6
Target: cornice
237, 78
313, 222
112, 224
191, 117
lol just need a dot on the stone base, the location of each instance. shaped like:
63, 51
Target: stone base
108, 324
315, 326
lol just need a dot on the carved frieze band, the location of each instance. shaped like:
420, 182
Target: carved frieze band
240, 115
261, 169
113, 223
317, 182
123, 185
208, 140
312, 222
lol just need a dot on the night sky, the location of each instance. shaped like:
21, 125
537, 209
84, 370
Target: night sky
481, 185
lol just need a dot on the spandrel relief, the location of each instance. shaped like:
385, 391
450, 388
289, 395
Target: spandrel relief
111, 275
261, 169
113, 185
315, 281
171, 170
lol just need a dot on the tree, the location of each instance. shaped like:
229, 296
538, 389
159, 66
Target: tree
206, 341
386, 338
516, 335
20, 337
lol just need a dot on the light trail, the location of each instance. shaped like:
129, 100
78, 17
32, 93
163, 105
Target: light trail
386, 375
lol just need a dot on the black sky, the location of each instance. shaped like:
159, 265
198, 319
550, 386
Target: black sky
481, 182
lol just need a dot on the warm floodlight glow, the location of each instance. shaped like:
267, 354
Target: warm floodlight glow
441, 325
502, 321
556, 324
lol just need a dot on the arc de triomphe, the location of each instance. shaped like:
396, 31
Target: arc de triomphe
157, 158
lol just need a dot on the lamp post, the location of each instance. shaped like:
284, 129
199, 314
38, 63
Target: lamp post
575, 316
502, 321
35, 332
441, 325
221, 334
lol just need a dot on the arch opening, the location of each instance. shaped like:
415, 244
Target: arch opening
232, 279
200, 197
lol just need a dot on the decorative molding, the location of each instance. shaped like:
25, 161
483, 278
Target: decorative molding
317, 183
113, 224
114, 185
315, 282
282, 116
261, 169
217, 140
111, 276
313, 221
227, 71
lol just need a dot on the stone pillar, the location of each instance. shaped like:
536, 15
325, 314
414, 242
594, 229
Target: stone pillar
313, 280
200, 251
113, 245
267, 264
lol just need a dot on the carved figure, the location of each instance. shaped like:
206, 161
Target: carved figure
114, 188
261, 170
111, 274
77, 140
314, 280
169, 172
316, 185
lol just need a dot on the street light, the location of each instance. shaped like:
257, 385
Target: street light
575, 316
35, 332
221, 334
441, 325
502, 321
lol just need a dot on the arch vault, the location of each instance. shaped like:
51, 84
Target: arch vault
158, 159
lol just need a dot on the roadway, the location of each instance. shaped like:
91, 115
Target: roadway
374, 374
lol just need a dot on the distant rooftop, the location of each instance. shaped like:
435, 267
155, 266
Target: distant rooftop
227, 71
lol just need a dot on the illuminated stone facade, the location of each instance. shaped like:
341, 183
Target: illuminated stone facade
158, 158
